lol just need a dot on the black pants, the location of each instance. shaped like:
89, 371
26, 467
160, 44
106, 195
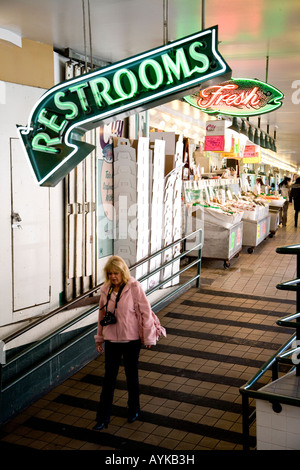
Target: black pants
113, 354
296, 218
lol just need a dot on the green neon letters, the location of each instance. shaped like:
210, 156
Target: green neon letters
53, 136
65, 105
49, 144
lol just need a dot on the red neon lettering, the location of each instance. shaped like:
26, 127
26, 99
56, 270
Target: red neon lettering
209, 98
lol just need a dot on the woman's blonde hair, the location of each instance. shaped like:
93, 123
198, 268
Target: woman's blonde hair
116, 263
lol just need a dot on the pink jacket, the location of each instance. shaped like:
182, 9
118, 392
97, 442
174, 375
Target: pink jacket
129, 326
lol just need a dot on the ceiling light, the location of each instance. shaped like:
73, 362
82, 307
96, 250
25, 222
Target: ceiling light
262, 141
267, 142
251, 134
256, 138
244, 128
234, 126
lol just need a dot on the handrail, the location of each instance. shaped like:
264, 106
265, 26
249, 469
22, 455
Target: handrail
96, 288
289, 249
92, 328
289, 285
47, 359
285, 321
283, 355
265, 367
83, 315
246, 392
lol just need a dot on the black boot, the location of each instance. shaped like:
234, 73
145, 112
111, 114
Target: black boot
133, 416
100, 425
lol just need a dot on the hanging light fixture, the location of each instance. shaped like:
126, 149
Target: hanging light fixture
267, 142
268, 139
262, 140
234, 126
256, 137
272, 143
244, 128
275, 148
251, 134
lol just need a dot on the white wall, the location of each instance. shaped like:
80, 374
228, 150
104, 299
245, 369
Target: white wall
16, 102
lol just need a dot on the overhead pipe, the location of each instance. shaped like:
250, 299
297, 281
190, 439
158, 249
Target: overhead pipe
166, 21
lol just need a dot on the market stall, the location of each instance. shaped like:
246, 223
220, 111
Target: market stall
276, 204
210, 202
231, 218
256, 231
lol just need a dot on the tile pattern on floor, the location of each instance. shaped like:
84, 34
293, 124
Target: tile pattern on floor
218, 337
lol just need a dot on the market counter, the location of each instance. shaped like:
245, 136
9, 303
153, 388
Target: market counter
255, 231
222, 243
275, 219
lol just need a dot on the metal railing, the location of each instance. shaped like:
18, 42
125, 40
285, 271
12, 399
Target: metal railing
47, 358
285, 355
72, 303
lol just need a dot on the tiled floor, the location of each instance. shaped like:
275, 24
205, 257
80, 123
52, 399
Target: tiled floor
218, 337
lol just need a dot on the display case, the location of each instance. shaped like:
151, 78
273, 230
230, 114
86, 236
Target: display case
211, 190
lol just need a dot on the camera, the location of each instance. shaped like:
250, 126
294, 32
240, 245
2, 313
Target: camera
109, 319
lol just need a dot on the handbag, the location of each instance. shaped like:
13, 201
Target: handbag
157, 328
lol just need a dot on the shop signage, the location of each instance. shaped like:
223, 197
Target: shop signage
53, 138
251, 154
217, 127
250, 151
221, 143
237, 97
214, 143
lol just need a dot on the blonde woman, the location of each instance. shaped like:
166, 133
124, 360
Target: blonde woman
125, 322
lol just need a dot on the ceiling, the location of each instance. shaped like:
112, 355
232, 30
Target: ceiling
249, 32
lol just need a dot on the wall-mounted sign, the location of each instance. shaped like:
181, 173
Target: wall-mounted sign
237, 97
59, 120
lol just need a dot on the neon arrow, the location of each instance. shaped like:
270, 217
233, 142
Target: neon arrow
53, 137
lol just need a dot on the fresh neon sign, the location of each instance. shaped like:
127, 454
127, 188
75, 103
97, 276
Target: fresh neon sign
242, 97
221, 95
59, 120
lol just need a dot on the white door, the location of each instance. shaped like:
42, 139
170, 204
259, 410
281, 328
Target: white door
30, 234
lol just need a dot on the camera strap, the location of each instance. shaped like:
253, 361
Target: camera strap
118, 296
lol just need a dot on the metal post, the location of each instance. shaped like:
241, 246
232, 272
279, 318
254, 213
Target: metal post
298, 309
200, 233
198, 269
203, 14
246, 422
275, 371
